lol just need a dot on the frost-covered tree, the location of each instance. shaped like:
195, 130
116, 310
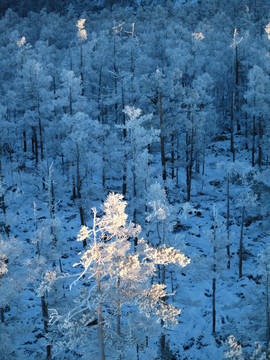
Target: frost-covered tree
159, 212
258, 353
245, 199
217, 241
82, 35
140, 138
35, 105
44, 265
199, 124
11, 287
10, 250
257, 108
81, 149
117, 279
232, 349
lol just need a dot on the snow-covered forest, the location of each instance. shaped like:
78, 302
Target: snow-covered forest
134, 180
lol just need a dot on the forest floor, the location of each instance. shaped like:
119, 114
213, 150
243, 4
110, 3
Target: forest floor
192, 338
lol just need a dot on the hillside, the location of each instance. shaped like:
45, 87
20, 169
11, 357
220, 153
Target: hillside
166, 104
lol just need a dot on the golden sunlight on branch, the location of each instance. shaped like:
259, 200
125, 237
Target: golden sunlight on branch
267, 29
21, 42
198, 36
81, 30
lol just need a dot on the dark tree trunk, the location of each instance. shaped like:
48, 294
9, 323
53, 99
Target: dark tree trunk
2, 315
177, 157
267, 314
40, 134
189, 162
124, 191
81, 67
260, 143
253, 140
241, 243
162, 141
246, 131
237, 107
172, 156
228, 222
35, 145
70, 102
214, 306
24, 142
232, 129
100, 108
134, 198
45, 322
41, 139
115, 79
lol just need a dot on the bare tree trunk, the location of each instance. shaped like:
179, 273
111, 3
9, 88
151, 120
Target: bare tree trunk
100, 109
52, 209
260, 143
241, 243
188, 177
267, 314
70, 102
79, 189
232, 129
102, 120
35, 143
138, 352
134, 184
101, 334
214, 279
203, 164
237, 107
115, 78
2, 202
45, 322
81, 67
163, 281
163, 242
162, 141
253, 140
246, 131
2, 315
172, 285
124, 191
78, 178
214, 306
177, 157
74, 195
172, 156
134, 198
40, 134
197, 166
118, 308
36, 228
100, 323
41, 139
24, 141
99, 307
228, 222
189, 162
103, 163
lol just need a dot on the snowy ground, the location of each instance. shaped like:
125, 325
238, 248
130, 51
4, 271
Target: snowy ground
192, 338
